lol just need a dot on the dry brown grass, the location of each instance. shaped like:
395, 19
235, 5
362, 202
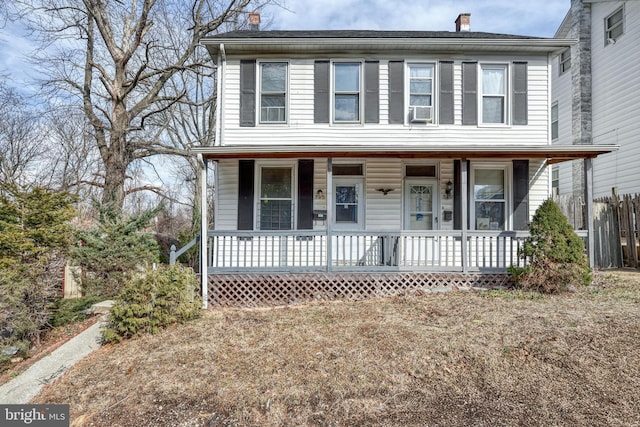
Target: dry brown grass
461, 358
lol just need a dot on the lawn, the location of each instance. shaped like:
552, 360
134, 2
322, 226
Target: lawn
459, 358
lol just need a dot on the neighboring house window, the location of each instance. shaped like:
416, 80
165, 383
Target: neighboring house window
273, 92
346, 96
554, 121
494, 90
490, 197
555, 180
276, 198
421, 93
564, 61
614, 26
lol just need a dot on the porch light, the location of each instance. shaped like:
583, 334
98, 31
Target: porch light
448, 189
319, 194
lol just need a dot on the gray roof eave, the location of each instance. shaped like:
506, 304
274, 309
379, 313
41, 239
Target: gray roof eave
552, 153
381, 44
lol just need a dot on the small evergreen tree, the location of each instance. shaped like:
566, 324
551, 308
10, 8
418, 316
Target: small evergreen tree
152, 302
114, 251
35, 235
555, 254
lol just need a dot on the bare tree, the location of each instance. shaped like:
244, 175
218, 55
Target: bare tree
20, 139
123, 62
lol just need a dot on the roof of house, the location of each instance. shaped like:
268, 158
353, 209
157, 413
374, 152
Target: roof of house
332, 34
366, 41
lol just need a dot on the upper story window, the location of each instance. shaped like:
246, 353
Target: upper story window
554, 121
494, 94
273, 92
564, 61
614, 26
421, 93
346, 95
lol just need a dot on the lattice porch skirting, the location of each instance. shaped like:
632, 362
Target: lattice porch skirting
276, 289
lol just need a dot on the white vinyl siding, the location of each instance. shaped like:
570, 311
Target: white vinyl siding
615, 102
302, 130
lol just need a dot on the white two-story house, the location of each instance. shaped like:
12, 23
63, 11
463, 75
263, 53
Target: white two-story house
356, 163
596, 85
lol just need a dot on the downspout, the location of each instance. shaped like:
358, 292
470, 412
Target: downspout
204, 267
222, 61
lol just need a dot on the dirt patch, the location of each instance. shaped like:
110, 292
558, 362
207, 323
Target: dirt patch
460, 358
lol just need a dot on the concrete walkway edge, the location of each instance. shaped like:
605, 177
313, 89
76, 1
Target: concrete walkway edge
28, 384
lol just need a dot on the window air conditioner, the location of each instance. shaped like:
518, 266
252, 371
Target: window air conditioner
420, 114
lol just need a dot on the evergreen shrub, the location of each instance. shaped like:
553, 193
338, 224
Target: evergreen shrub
555, 253
153, 301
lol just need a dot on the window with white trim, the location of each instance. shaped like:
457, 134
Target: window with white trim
614, 26
494, 94
554, 121
490, 197
421, 77
346, 92
273, 92
555, 180
276, 198
564, 61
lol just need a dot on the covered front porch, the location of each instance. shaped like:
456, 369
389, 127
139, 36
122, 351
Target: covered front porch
256, 266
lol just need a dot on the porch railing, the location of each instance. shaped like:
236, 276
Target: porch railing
313, 251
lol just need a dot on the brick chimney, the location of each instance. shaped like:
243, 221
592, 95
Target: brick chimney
254, 21
463, 22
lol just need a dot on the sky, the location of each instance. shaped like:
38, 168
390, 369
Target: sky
521, 17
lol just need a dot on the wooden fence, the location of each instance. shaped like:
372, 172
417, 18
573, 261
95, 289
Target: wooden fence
616, 227
627, 213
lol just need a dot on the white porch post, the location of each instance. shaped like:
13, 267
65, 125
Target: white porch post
465, 213
588, 202
329, 205
204, 267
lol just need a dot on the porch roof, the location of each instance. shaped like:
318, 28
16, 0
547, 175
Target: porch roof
552, 153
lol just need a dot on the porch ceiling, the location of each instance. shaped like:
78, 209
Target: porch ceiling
552, 153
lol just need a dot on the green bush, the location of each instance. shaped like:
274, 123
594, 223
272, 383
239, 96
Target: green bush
555, 254
34, 238
152, 302
67, 311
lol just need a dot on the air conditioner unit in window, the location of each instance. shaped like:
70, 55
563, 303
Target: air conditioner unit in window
420, 114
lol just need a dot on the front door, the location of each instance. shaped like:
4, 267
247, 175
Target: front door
420, 214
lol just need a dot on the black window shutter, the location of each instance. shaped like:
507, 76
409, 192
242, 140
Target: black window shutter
321, 95
248, 93
305, 194
521, 194
469, 93
371, 92
520, 93
396, 92
446, 93
246, 172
